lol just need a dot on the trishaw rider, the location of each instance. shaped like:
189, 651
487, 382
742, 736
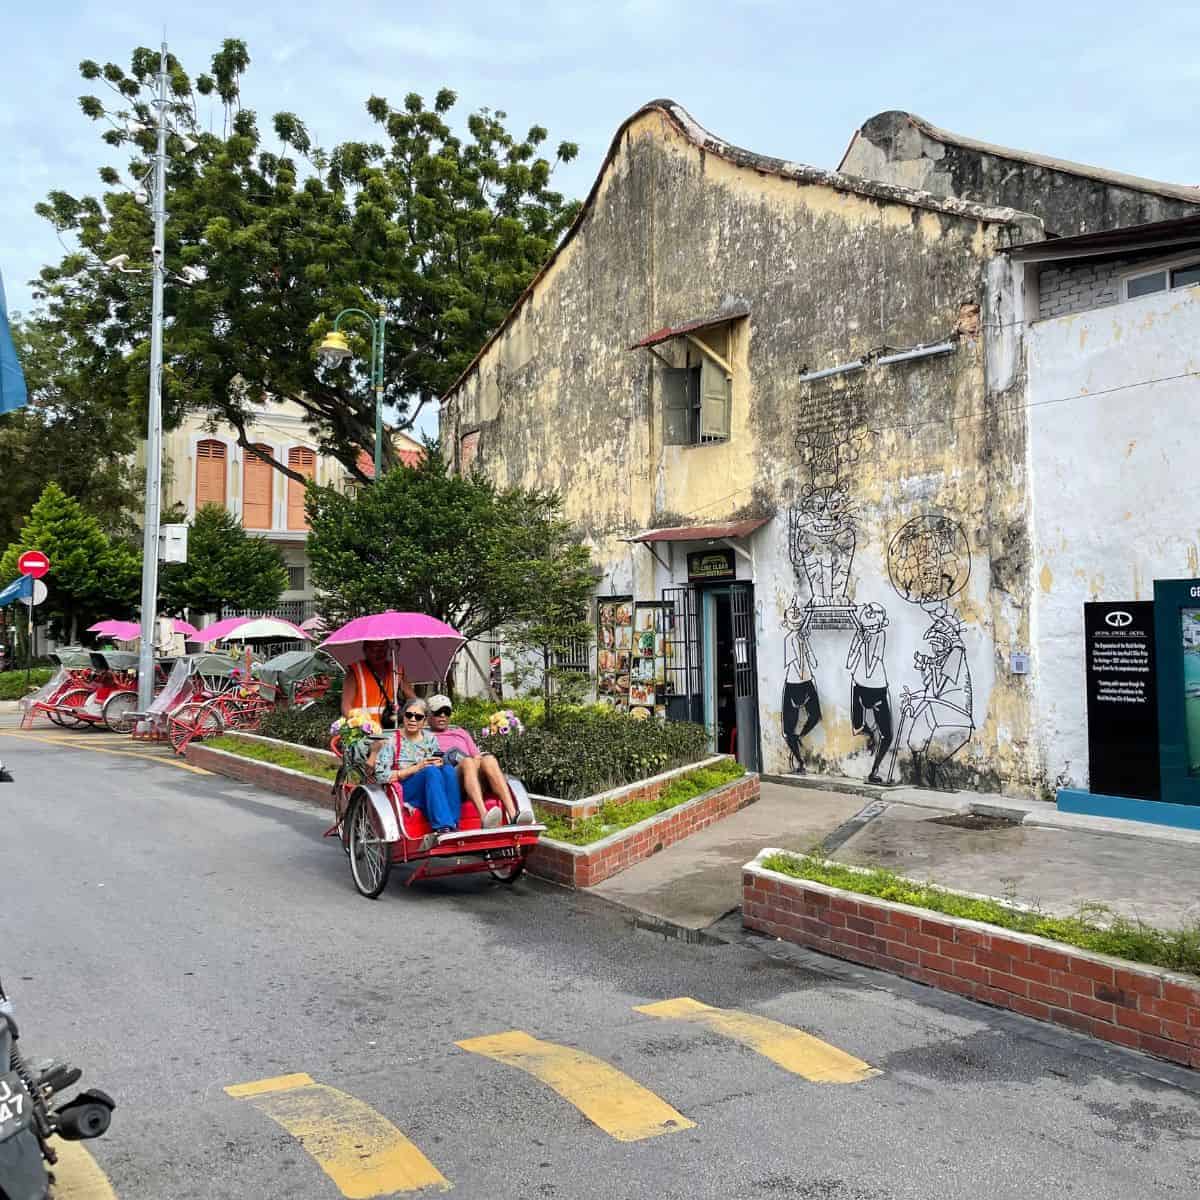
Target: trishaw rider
475, 769
371, 685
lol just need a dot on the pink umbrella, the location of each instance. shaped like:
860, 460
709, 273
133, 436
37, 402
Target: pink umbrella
423, 646
314, 625
130, 631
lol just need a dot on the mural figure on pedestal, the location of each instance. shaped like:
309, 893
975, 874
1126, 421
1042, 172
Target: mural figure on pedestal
799, 684
870, 701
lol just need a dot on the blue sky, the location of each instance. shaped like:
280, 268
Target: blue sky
1099, 83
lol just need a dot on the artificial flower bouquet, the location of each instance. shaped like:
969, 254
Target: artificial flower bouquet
501, 723
354, 731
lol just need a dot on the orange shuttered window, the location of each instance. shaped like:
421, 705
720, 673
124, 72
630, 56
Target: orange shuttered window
257, 490
210, 473
303, 460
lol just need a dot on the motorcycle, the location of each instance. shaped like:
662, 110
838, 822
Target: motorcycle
29, 1118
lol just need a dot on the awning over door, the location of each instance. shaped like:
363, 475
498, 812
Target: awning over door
668, 332
702, 533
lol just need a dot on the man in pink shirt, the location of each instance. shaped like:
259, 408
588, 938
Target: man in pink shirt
475, 770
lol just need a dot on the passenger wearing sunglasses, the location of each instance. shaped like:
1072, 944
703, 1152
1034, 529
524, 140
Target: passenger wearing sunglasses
418, 763
476, 770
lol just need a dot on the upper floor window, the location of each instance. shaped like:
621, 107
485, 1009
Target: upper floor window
258, 490
304, 461
1181, 273
210, 473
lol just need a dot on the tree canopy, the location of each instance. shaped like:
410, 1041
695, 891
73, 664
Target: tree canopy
91, 575
226, 568
424, 539
442, 229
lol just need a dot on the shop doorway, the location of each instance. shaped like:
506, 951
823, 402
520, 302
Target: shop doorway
730, 671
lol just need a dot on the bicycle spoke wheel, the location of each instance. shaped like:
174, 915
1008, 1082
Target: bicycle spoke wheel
370, 855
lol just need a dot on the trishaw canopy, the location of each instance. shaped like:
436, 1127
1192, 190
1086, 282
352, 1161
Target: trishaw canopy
287, 669
113, 660
72, 658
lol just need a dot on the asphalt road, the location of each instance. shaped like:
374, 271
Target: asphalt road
178, 934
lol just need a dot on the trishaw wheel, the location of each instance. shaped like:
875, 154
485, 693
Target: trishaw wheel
118, 709
75, 698
507, 870
194, 721
370, 855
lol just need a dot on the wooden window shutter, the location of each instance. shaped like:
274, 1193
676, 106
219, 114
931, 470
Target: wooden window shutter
715, 392
676, 415
257, 490
303, 460
210, 473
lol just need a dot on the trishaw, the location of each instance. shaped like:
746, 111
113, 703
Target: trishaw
297, 678
194, 680
377, 829
114, 696
65, 692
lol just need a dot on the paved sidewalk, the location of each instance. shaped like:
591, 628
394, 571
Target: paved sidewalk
697, 881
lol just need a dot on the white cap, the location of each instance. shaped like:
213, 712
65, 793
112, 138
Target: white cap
439, 701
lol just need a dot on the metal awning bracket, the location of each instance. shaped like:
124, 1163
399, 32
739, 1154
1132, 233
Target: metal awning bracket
740, 551
710, 353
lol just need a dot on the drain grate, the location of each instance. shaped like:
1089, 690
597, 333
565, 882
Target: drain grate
974, 821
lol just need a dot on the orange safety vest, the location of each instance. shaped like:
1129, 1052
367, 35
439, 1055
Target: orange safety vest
367, 692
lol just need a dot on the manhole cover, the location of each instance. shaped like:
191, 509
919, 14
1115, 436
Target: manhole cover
977, 821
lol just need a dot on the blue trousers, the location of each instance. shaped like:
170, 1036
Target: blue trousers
434, 790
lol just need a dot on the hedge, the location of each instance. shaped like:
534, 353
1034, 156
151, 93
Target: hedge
12, 683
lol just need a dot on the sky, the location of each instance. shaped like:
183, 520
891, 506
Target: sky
1112, 85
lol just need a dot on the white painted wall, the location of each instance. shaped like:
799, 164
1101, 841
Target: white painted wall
1115, 481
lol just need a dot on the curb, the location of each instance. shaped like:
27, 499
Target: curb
1134, 1005
281, 780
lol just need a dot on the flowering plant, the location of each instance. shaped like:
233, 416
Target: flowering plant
353, 730
500, 723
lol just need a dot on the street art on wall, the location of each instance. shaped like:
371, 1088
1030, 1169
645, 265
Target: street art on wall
929, 563
870, 700
799, 684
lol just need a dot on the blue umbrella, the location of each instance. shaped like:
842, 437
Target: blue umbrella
13, 393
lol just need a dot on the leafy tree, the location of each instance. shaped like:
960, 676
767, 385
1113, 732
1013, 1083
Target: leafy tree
424, 539
442, 229
226, 568
557, 583
71, 433
90, 576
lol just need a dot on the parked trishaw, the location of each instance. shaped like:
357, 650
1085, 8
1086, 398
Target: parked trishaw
65, 692
377, 829
193, 681
298, 678
114, 692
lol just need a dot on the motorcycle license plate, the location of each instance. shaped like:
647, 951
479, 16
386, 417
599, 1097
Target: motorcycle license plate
16, 1108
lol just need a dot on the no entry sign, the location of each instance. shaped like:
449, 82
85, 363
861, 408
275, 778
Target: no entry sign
33, 562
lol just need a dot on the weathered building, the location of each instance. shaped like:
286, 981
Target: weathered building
1109, 344
761, 388
1070, 198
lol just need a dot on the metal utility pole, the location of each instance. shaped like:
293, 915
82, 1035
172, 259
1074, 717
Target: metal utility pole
154, 422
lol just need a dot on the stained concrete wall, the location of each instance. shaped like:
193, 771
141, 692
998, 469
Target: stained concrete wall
1114, 488
901, 148
901, 486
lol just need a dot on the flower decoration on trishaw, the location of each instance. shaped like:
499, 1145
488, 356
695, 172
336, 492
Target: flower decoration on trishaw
415, 803
500, 724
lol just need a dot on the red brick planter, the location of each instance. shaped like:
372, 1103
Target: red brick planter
1135, 1005
584, 866
276, 779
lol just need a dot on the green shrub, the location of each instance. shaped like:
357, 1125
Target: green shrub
592, 749
305, 727
613, 817
1093, 927
12, 683
472, 713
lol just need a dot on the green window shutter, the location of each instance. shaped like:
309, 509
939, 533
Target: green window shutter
715, 389
675, 406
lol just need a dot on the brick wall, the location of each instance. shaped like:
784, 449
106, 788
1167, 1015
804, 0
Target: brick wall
1137, 1006
585, 866
1088, 283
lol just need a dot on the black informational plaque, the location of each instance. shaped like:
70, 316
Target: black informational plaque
1122, 699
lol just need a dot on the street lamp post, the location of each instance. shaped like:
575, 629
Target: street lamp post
335, 350
154, 422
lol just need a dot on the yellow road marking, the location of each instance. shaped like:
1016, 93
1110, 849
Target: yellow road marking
606, 1096
792, 1049
77, 1176
360, 1150
74, 744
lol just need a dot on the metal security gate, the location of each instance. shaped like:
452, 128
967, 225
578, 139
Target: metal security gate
745, 674
681, 633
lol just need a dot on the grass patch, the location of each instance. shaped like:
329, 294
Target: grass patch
12, 683
1094, 927
293, 758
613, 817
